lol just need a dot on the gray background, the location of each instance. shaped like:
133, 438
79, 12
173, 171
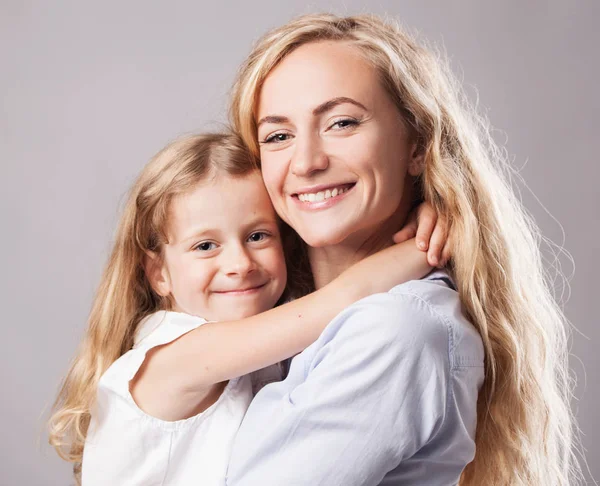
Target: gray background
91, 90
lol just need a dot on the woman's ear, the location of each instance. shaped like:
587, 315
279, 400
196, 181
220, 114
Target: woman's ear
157, 274
416, 163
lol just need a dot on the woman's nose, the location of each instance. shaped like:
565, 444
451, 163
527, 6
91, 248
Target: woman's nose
308, 157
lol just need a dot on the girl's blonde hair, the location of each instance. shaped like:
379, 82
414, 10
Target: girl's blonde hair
525, 425
124, 296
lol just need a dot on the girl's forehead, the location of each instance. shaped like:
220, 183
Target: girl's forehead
226, 203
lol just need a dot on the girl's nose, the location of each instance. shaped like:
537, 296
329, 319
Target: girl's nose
238, 261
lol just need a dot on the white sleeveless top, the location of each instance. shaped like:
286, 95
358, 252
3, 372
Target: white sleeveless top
127, 447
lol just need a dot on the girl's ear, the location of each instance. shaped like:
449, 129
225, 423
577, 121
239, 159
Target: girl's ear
416, 163
156, 274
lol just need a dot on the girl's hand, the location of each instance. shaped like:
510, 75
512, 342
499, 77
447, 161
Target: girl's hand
430, 233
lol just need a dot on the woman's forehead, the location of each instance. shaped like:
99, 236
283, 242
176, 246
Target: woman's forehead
316, 73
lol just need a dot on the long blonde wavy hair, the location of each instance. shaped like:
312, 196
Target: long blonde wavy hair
525, 430
124, 296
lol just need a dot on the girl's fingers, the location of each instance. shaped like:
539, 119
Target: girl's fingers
427, 220
408, 231
405, 234
446, 253
436, 244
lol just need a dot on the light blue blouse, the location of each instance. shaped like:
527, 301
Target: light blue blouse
386, 395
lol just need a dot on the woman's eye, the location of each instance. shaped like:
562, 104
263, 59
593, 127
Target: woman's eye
258, 236
206, 246
277, 137
345, 123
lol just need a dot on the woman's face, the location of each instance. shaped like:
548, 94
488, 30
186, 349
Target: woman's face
335, 151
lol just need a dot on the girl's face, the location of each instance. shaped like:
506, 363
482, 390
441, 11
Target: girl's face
224, 258
334, 149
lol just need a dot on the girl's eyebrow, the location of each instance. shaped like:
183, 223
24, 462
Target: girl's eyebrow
196, 233
260, 221
319, 110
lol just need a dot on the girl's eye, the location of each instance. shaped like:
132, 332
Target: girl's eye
345, 123
206, 246
277, 137
258, 236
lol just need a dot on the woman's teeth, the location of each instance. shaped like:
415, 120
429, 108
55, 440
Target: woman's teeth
322, 195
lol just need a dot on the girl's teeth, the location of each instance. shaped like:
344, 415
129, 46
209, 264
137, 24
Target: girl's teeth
322, 195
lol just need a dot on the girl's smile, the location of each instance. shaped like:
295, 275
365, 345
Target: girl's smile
241, 291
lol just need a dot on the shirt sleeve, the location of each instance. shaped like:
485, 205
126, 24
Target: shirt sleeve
374, 393
164, 327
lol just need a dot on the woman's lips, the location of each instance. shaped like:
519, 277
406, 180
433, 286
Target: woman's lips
318, 200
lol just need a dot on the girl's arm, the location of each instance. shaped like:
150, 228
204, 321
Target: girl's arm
176, 376
431, 233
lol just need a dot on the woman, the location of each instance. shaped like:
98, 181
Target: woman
354, 123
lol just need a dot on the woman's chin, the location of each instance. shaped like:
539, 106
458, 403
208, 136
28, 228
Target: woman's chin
321, 239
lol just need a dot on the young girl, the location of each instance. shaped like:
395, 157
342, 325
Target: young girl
159, 387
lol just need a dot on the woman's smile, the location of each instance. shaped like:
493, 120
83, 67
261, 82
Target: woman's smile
322, 197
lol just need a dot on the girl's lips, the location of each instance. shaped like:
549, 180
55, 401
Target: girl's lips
326, 203
245, 291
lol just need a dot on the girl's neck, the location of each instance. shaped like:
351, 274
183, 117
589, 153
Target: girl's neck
329, 262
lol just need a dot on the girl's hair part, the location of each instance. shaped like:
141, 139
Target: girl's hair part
526, 431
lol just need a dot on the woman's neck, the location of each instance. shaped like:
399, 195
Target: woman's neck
329, 262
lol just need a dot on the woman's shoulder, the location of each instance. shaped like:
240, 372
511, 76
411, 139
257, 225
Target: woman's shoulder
415, 316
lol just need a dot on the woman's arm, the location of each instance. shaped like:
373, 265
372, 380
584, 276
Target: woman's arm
176, 376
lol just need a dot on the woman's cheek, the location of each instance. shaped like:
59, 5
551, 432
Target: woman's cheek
273, 176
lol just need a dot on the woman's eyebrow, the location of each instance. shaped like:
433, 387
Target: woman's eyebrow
328, 105
319, 110
272, 119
